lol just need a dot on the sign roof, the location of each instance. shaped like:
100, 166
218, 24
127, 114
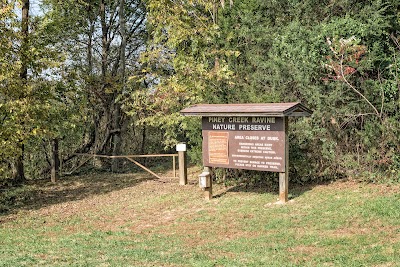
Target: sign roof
260, 109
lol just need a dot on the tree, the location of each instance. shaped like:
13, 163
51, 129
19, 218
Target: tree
102, 48
284, 50
19, 175
14, 85
7, 74
31, 102
281, 51
94, 73
183, 66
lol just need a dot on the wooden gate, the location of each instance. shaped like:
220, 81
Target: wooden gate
128, 157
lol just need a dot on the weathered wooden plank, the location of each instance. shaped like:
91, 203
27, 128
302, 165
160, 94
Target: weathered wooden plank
124, 156
143, 167
174, 166
182, 168
208, 190
80, 165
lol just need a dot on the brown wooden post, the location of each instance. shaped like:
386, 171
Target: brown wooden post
181, 148
61, 165
208, 190
55, 162
284, 176
174, 166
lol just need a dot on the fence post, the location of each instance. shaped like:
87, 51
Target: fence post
181, 148
174, 166
55, 161
61, 164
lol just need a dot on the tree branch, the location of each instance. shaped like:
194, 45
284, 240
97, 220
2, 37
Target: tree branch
355, 89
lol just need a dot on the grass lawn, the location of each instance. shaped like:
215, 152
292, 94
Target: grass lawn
135, 220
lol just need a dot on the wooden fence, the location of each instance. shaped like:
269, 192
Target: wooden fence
128, 157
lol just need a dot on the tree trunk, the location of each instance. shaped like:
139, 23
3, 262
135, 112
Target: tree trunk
142, 150
123, 40
24, 45
104, 137
90, 39
104, 42
19, 173
116, 163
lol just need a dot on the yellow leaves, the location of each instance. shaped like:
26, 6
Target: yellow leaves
6, 10
134, 78
179, 21
229, 53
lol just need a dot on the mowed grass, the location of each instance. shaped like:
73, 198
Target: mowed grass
134, 220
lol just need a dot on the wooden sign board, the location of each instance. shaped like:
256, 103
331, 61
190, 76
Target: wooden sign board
251, 143
247, 136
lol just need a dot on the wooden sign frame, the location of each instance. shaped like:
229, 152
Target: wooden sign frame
247, 136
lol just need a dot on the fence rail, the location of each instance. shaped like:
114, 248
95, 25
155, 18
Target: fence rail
128, 157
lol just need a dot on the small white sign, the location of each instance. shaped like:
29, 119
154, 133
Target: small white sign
204, 180
181, 147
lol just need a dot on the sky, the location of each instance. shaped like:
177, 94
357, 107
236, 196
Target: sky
34, 8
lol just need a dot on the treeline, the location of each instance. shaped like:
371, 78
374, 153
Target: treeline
110, 77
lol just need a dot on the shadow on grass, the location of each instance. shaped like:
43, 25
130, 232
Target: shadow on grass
40, 193
295, 190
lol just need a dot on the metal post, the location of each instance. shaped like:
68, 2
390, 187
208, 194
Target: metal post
181, 148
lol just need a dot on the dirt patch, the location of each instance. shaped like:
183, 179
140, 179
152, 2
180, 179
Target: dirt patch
111, 203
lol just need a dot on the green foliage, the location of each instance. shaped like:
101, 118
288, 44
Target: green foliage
294, 54
338, 58
36, 109
12, 106
184, 65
